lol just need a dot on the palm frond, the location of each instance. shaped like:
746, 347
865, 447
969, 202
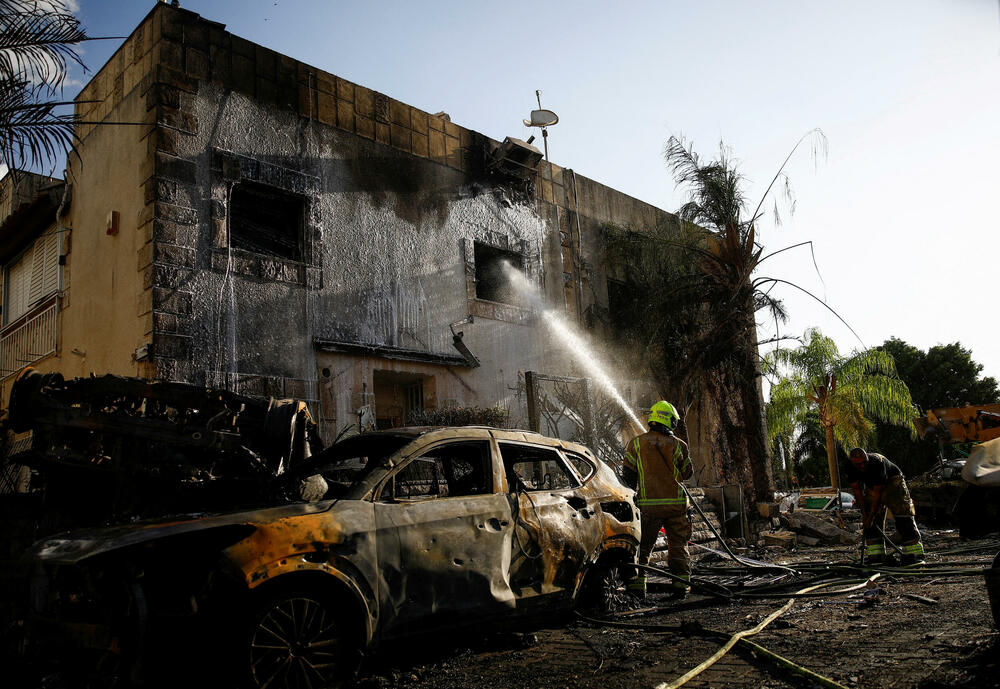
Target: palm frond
788, 405
37, 42
31, 132
819, 145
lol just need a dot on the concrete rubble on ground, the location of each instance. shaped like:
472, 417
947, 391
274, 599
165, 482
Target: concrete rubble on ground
791, 528
818, 526
784, 539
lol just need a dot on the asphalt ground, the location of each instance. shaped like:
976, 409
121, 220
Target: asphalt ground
879, 636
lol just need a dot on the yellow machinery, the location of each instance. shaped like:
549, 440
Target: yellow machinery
973, 423
941, 492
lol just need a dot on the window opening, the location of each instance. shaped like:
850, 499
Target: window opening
447, 471
31, 277
413, 399
266, 220
491, 278
584, 468
398, 395
536, 468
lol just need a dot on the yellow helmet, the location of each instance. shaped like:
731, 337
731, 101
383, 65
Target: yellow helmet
663, 413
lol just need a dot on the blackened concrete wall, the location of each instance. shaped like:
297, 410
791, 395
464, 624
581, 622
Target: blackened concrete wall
396, 199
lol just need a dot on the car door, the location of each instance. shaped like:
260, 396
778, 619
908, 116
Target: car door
555, 531
445, 527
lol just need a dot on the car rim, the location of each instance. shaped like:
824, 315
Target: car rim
613, 595
296, 644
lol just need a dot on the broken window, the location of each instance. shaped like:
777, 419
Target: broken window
266, 220
492, 283
582, 465
535, 468
450, 470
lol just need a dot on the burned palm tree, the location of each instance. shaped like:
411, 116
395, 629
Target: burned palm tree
695, 299
37, 45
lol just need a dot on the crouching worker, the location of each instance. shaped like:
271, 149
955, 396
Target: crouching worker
878, 484
655, 464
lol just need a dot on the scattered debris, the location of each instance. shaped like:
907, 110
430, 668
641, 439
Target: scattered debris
812, 524
111, 449
783, 539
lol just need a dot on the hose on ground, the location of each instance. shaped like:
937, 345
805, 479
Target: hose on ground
724, 592
698, 630
722, 540
739, 636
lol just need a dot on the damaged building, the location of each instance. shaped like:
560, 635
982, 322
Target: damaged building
237, 219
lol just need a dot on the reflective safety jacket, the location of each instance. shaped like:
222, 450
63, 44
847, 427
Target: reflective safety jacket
661, 461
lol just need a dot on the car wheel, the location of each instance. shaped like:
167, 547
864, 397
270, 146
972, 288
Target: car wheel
604, 588
300, 640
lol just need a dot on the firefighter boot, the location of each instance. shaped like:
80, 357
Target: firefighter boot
636, 587
874, 553
913, 554
680, 587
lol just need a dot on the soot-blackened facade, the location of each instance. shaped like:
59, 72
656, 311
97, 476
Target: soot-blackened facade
282, 231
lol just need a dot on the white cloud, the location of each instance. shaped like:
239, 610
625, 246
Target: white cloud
71, 6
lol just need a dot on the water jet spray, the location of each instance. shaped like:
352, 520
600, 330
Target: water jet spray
575, 344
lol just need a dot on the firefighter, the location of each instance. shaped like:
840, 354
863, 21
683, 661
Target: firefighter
878, 484
655, 464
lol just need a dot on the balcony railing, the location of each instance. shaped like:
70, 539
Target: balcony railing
32, 339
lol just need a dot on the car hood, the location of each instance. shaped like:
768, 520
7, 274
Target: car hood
74, 546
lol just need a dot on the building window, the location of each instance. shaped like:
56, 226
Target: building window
400, 395
31, 277
492, 283
266, 220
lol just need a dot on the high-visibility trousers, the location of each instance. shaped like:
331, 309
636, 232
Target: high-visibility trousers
674, 520
896, 498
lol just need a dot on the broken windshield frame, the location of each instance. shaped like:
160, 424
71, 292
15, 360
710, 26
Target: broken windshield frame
350, 463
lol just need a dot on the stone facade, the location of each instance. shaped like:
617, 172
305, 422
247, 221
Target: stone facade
392, 206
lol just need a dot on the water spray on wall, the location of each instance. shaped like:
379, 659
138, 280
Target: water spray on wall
574, 344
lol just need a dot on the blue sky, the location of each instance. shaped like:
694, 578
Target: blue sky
901, 211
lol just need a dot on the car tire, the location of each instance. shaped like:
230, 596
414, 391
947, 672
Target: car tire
603, 589
301, 639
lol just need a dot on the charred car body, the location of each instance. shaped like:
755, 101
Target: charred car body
378, 536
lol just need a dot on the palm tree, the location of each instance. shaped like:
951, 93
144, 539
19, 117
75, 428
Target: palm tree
848, 393
809, 450
37, 44
695, 299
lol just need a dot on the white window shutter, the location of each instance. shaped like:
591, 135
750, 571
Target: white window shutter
34, 276
18, 281
50, 265
37, 266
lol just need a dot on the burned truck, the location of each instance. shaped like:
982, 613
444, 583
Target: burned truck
379, 536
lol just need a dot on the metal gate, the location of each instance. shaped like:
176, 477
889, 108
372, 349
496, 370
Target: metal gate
570, 409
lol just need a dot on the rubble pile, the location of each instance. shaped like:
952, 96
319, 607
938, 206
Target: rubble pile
788, 527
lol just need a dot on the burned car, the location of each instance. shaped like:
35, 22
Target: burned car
378, 536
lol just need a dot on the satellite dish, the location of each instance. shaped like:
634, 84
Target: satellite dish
541, 118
